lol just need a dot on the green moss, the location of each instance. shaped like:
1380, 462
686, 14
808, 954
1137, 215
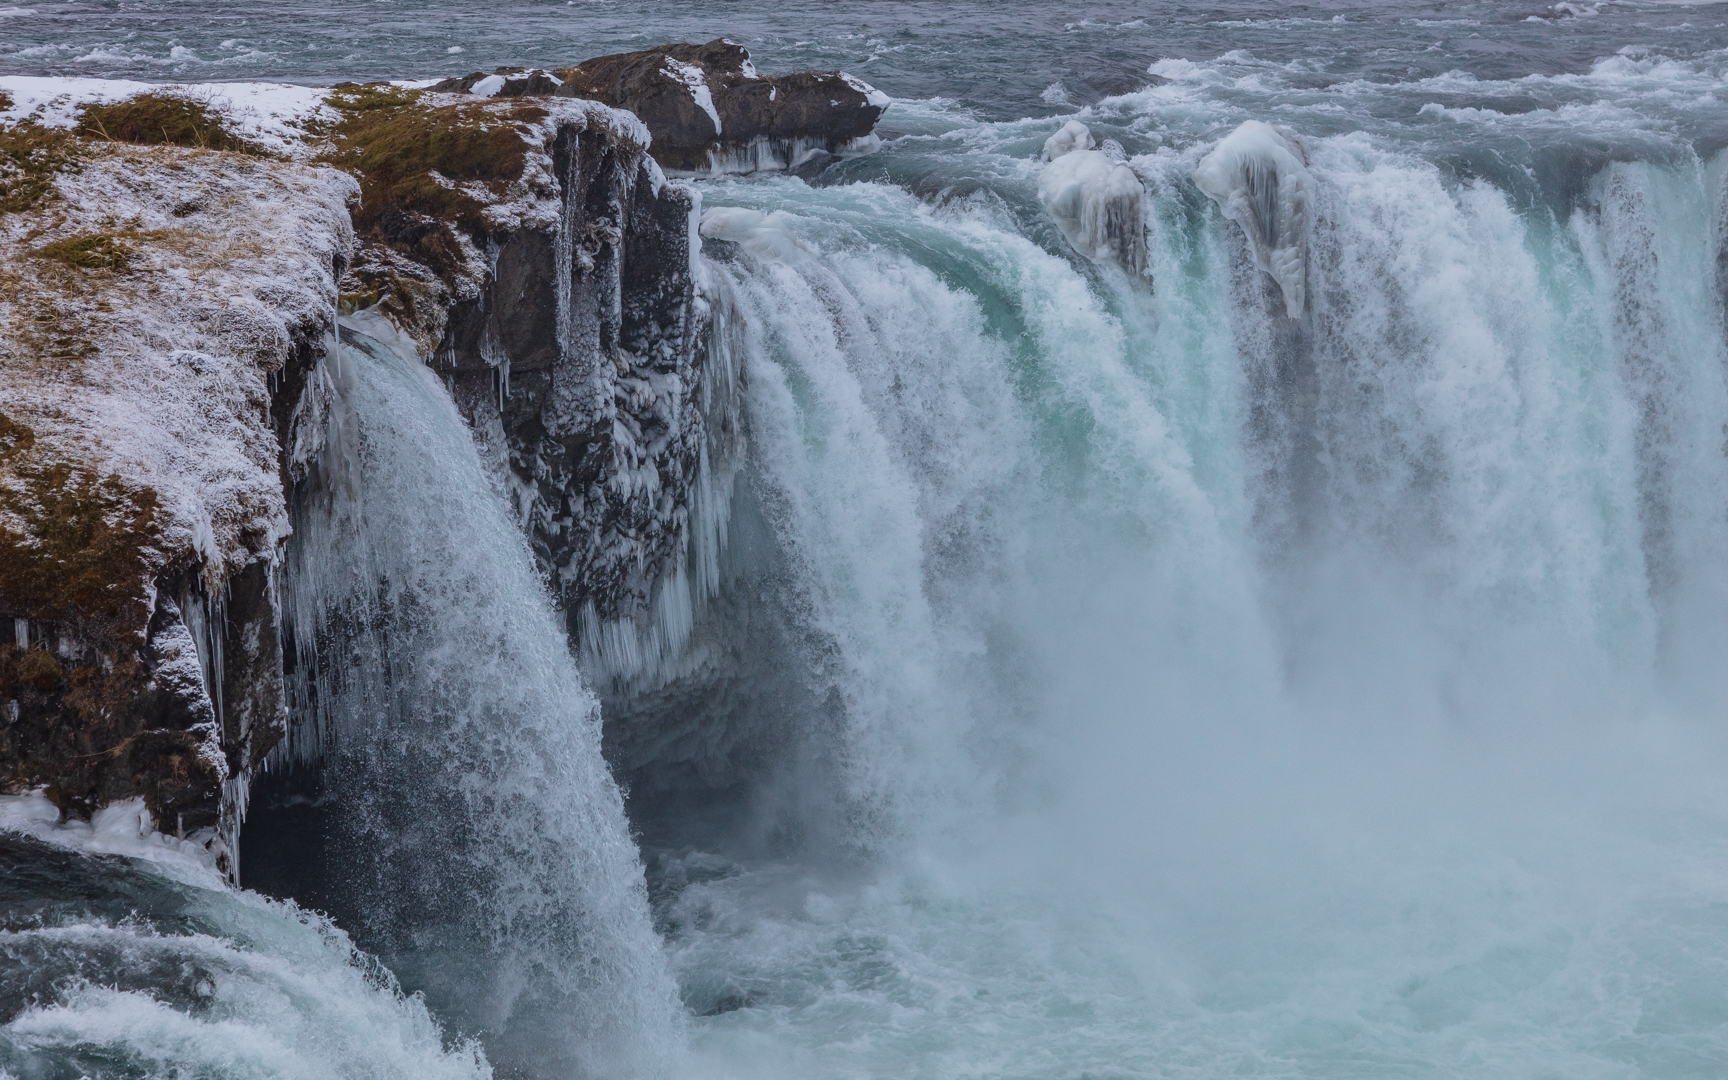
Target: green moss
158, 119
83, 544
88, 251
31, 156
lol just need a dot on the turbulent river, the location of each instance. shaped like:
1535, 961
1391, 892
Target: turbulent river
1100, 675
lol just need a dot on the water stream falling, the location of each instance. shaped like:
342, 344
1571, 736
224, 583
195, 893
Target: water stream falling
1101, 675
481, 848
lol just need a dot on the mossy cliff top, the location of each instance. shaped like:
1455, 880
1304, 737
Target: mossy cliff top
439, 175
171, 263
149, 295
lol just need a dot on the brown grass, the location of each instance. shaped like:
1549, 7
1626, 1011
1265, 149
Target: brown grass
30, 157
399, 146
88, 251
162, 118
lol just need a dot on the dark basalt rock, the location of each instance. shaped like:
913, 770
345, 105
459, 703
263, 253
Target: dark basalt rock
665, 86
517, 82
706, 106
598, 441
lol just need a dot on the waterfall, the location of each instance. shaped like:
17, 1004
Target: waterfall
479, 846
1236, 665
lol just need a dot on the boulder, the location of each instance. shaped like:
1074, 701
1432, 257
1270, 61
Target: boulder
707, 107
504, 82
709, 110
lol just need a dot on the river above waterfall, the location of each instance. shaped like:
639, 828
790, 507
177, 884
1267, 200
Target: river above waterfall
1111, 675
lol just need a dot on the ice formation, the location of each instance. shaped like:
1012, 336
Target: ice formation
1070, 137
1259, 177
1098, 203
122, 828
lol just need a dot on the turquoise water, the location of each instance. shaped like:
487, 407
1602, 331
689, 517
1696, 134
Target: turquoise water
1117, 678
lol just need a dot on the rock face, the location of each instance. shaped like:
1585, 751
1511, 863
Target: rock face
160, 403
153, 300
583, 365
707, 107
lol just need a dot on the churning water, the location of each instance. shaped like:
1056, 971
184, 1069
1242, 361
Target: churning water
1111, 677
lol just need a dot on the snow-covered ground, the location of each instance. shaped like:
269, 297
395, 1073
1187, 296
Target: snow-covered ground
160, 374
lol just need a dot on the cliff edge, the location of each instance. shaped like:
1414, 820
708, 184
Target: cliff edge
175, 261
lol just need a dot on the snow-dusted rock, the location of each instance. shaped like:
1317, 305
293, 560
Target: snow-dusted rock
148, 312
711, 111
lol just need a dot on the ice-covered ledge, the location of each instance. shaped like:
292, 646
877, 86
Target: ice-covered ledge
151, 300
165, 309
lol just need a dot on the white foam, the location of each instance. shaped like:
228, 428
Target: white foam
122, 828
289, 998
1258, 175
767, 236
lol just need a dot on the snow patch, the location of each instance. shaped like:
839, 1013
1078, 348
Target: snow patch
871, 94
691, 76
271, 115
488, 86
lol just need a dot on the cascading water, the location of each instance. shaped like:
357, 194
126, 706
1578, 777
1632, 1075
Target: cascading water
481, 848
1301, 659
1216, 688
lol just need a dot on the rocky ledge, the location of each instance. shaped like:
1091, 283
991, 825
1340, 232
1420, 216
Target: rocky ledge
708, 108
164, 313
152, 300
